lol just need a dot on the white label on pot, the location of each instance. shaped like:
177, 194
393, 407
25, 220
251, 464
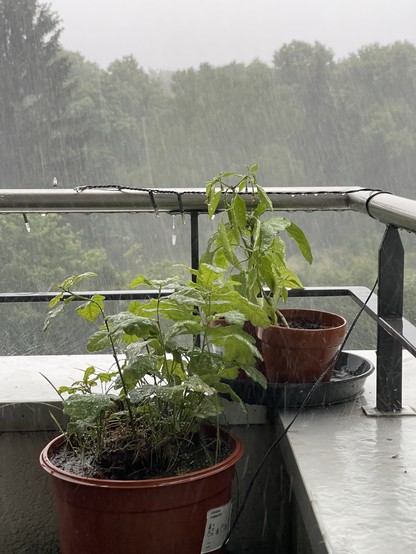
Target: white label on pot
216, 528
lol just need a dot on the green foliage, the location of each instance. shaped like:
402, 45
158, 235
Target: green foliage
34, 262
308, 118
249, 248
34, 93
165, 380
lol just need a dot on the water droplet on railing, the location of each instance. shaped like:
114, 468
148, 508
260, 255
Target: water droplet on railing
173, 230
27, 224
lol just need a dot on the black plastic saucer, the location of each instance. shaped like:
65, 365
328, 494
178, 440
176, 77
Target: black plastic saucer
347, 383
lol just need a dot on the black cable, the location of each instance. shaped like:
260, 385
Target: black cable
367, 202
297, 414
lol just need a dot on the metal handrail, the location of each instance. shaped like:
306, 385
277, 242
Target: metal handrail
393, 331
383, 206
114, 198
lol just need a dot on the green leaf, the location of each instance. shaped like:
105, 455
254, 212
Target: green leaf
196, 384
303, 244
68, 390
233, 317
240, 212
142, 366
87, 408
213, 203
106, 377
202, 363
70, 282
255, 375
231, 300
92, 309
139, 280
52, 314
208, 274
210, 407
264, 203
131, 324
189, 297
224, 242
87, 373
224, 388
273, 226
56, 299
98, 341
187, 327
154, 283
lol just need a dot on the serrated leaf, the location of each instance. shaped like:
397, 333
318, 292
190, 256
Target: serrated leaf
255, 375
56, 299
139, 280
70, 282
209, 407
131, 324
87, 373
98, 341
68, 390
87, 407
187, 327
143, 365
204, 362
196, 384
232, 317
273, 226
51, 315
224, 388
106, 377
92, 309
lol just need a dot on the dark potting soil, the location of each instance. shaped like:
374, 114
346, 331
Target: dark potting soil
133, 460
306, 325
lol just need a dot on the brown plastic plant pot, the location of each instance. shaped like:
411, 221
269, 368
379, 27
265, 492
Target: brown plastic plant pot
302, 355
172, 515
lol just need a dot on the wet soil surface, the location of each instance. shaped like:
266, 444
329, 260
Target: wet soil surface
125, 459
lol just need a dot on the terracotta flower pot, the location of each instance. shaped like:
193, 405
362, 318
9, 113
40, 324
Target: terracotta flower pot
188, 514
302, 355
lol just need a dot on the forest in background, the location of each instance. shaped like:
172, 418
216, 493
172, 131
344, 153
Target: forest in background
306, 118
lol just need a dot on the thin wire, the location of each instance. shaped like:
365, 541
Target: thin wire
295, 417
168, 191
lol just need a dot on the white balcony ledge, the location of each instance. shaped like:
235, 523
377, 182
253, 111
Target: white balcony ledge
353, 477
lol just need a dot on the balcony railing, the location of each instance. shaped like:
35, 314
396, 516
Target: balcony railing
393, 331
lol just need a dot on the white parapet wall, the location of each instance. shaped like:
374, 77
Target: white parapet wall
27, 521
351, 478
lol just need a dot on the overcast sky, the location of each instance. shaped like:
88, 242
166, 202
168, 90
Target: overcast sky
177, 34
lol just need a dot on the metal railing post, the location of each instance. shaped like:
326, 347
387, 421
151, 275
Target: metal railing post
390, 306
194, 242
195, 254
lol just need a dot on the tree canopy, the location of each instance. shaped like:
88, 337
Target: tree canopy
306, 118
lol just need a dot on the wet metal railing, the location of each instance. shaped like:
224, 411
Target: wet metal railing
393, 331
